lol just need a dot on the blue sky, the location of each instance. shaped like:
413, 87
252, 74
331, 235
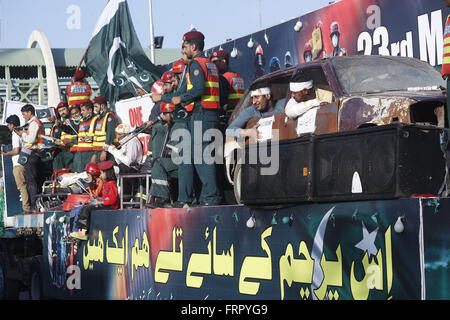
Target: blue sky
70, 23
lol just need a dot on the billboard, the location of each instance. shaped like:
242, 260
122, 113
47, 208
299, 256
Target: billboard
333, 251
347, 27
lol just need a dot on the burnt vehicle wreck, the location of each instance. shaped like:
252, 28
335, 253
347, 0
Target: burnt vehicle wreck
381, 134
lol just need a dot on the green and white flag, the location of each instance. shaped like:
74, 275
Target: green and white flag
115, 58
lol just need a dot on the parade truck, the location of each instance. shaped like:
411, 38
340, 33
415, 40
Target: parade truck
355, 209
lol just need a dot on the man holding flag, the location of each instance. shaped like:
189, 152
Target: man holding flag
115, 58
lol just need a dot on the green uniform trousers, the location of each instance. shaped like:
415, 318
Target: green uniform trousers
63, 159
162, 170
199, 123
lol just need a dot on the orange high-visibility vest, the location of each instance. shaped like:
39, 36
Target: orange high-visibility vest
237, 87
100, 132
86, 129
446, 55
78, 92
39, 141
211, 96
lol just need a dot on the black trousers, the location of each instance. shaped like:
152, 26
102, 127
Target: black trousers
84, 218
33, 177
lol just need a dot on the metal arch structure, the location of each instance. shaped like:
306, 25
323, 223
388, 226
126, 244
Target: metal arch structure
38, 37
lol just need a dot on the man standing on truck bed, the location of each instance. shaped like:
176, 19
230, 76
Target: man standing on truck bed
105, 128
63, 128
181, 118
85, 139
202, 96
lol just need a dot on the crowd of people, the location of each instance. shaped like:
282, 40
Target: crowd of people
196, 90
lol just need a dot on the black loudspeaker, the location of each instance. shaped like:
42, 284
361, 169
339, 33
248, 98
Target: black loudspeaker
387, 162
291, 183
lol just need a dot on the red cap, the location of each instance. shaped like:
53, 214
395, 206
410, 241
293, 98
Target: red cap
178, 66
85, 103
219, 54
167, 107
193, 35
79, 74
62, 104
157, 87
93, 169
105, 165
167, 76
101, 99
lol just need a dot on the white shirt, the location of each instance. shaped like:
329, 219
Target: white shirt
30, 135
131, 152
295, 109
16, 143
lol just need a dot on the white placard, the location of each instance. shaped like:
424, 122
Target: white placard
14, 107
134, 112
306, 123
265, 128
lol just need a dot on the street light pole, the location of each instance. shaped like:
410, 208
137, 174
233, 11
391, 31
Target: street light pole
152, 36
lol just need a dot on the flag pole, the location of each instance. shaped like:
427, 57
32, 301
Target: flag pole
82, 58
152, 36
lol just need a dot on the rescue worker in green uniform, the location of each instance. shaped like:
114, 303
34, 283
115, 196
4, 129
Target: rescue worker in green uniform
105, 128
180, 121
85, 140
163, 166
63, 129
202, 100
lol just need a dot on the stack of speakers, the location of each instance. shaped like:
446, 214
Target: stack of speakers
386, 162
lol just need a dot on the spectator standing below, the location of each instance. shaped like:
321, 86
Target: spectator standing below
12, 122
105, 128
109, 199
34, 142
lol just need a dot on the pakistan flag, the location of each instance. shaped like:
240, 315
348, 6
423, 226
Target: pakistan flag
115, 58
